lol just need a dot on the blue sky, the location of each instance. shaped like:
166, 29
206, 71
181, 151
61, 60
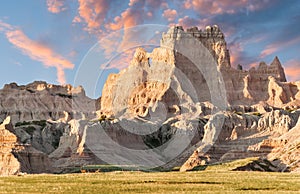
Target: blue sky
81, 41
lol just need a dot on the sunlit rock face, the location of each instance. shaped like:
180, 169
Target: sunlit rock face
190, 77
163, 76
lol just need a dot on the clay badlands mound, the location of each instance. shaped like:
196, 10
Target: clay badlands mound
183, 104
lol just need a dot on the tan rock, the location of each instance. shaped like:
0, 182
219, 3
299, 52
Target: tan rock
9, 164
16, 157
128, 93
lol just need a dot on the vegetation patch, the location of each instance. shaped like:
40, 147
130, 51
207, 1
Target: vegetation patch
29, 130
107, 168
65, 95
41, 123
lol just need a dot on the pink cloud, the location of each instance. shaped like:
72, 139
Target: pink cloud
292, 69
131, 17
274, 47
39, 52
170, 14
209, 7
93, 13
128, 18
55, 6
270, 49
136, 13
187, 4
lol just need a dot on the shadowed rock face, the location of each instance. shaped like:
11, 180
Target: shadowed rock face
246, 135
38, 115
42, 101
17, 157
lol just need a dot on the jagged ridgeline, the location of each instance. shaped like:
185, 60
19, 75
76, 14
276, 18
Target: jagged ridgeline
42, 101
161, 75
183, 104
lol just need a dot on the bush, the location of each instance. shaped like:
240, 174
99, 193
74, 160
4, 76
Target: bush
18, 124
29, 130
41, 123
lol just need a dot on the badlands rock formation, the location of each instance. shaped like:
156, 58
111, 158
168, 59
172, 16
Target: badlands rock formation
247, 135
191, 66
17, 157
35, 117
190, 76
42, 101
183, 104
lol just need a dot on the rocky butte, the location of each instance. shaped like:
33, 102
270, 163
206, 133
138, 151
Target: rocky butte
174, 63
183, 104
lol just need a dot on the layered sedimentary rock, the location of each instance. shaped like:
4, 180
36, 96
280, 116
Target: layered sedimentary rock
166, 77
8, 163
246, 135
42, 101
193, 67
38, 114
187, 68
284, 143
17, 157
181, 104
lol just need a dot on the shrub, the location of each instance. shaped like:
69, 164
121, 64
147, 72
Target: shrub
29, 130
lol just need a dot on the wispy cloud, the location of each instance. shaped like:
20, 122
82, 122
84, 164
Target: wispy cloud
120, 61
277, 46
56, 6
37, 51
4, 26
209, 7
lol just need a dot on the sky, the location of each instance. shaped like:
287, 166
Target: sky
80, 42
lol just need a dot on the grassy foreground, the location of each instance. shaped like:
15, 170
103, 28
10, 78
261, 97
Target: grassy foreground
160, 182
214, 179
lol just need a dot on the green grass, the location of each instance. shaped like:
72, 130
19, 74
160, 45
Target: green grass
208, 181
216, 178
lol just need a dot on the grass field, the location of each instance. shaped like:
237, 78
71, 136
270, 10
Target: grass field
214, 179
